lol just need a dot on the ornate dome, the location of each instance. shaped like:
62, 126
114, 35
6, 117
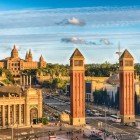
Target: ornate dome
14, 52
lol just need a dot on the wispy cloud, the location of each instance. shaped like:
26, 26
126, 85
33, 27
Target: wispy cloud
76, 40
72, 21
105, 41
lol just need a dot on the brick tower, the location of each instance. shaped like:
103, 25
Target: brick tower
77, 88
127, 93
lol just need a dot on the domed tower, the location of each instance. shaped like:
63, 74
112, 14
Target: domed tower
77, 88
127, 91
30, 57
42, 63
14, 52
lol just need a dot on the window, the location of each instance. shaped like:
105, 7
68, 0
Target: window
128, 63
78, 63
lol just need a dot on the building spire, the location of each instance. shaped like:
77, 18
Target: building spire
30, 57
26, 56
30, 53
41, 58
14, 46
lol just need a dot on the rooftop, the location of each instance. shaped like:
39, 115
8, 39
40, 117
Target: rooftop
6, 90
77, 54
126, 54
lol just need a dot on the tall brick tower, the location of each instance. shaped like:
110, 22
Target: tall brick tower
77, 88
127, 93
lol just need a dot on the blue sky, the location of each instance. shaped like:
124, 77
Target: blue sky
56, 28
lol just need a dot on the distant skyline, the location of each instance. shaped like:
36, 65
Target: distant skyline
55, 28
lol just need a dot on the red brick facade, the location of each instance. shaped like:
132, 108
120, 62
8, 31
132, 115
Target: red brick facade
77, 88
127, 93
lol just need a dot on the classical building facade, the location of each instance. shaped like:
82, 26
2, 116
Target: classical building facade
15, 64
127, 91
19, 106
77, 88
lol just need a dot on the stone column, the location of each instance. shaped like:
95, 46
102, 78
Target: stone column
14, 112
30, 80
9, 115
24, 80
3, 116
21, 80
27, 109
19, 114
39, 103
27, 80
27, 114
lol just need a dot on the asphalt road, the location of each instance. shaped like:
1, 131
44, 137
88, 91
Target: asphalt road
62, 104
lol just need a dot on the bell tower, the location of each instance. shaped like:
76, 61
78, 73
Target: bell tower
127, 92
77, 88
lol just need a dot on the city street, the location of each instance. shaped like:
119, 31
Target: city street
61, 103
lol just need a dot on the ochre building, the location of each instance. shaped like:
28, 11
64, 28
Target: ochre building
127, 91
19, 106
77, 88
15, 64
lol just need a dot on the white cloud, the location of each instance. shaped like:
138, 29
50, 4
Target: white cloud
105, 41
77, 40
74, 40
72, 21
76, 21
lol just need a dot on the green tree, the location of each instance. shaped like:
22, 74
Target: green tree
9, 76
44, 121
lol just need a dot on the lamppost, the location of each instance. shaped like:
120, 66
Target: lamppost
105, 122
12, 127
12, 135
32, 130
17, 131
12, 131
43, 131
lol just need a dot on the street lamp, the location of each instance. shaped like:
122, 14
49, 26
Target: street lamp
43, 130
12, 132
17, 131
105, 122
